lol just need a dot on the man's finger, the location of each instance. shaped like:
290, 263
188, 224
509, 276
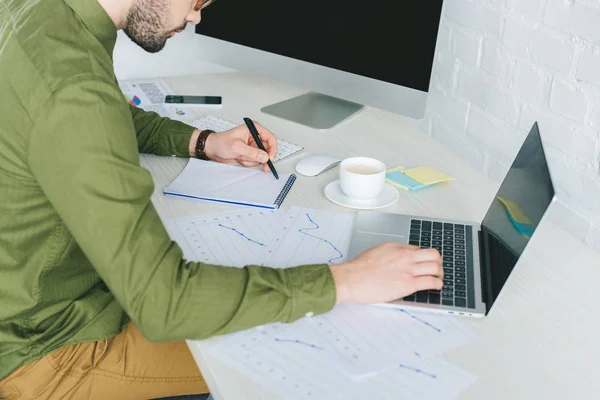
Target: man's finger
268, 139
429, 268
427, 283
246, 163
424, 255
251, 153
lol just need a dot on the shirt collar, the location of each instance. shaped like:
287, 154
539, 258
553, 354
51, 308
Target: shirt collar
97, 21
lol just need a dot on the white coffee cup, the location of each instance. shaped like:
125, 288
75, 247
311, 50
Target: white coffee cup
362, 178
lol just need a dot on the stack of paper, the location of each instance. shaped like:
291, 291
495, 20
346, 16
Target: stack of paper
415, 178
354, 351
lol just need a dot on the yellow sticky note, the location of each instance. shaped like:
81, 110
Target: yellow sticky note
427, 175
515, 211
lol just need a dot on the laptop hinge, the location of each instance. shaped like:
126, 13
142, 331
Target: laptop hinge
483, 262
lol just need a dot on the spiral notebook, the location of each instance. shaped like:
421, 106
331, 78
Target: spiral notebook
213, 181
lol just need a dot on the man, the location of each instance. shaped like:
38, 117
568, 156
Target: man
95, 299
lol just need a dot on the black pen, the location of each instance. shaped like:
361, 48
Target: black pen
254, 133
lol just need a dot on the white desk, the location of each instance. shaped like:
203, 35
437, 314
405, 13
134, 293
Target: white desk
542, 337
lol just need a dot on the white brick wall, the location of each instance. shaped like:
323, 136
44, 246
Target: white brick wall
501, 65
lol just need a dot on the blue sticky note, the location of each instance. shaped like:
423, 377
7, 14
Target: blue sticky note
397, 178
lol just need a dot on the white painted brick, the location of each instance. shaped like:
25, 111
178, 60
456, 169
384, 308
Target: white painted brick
539, 46
503, 105
518, 36
594, 118
522, 64
568, 141
444, 37
528, 116
500, 138
572, 221
487, 96
450, 109
564, 178
466, 46
594, 238
588, 70
590, 3
496, 60
594, 113
531, 9
595, 219
474, 15
459, 143
496, 169
553, 52
574, 17
568, 101
530, 83
443, 71
575, 189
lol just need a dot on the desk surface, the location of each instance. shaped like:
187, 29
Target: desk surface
540, 339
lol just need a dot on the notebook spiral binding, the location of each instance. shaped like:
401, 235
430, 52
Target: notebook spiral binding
285, 190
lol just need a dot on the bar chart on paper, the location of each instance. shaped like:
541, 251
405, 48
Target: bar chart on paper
235, 239
310, 236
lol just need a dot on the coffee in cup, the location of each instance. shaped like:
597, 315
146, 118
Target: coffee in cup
362, 178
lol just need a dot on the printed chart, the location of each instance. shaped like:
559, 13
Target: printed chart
330, 356
150, 96
233, 238
310, 236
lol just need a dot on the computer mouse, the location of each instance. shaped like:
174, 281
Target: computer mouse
315, 164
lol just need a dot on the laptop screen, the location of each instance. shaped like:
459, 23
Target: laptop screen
514, 214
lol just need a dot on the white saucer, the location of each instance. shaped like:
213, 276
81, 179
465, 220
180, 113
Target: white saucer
388, 196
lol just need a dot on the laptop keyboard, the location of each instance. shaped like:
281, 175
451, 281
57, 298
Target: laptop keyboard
452, 241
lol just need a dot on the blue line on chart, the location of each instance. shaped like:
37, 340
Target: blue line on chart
241, 234
419, 319
418, 371
410, 315
314, 346
316, 237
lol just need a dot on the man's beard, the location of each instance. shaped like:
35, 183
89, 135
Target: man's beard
145, 24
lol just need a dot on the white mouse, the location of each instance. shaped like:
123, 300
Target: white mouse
315, 164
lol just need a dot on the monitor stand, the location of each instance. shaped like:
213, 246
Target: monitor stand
315, 110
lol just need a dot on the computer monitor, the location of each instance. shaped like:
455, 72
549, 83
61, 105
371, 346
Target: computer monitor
347, 53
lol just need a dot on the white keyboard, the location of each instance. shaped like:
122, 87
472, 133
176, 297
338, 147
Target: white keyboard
284, 149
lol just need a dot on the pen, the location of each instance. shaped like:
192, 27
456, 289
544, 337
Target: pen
254, 133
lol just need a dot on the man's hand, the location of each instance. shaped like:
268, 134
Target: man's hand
237, 145
387, 272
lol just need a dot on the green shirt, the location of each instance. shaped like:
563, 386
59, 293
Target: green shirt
82, 249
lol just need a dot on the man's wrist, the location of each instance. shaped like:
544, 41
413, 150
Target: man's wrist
193, 140
338, 272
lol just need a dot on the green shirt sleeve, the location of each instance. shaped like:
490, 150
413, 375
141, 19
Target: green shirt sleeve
159, 135
84, 154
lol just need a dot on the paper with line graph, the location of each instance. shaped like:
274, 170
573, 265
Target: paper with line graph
359, 340
352, 348
310, 236
234, 239
301, 376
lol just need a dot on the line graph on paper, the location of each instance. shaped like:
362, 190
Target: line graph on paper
308, 358
232, 238
310, 236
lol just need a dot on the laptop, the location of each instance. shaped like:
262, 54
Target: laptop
477, 257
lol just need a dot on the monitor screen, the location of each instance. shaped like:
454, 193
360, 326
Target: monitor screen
390, 41
515, 212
